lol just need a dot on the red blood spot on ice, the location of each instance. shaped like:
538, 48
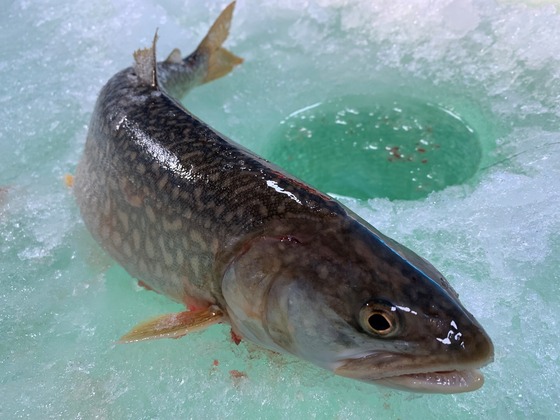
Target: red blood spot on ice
235, 338
236, 374
394, 151
216, 362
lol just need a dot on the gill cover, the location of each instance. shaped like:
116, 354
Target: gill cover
294, 294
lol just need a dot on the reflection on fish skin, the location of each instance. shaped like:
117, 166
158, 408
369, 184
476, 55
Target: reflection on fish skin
208, 223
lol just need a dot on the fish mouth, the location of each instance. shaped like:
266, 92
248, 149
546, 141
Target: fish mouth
440, 382
434, 378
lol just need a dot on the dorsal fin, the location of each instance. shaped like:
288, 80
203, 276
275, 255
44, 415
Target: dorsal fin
146, 65
174, 57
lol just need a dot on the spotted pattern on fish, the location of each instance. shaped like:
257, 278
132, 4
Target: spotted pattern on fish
172, 187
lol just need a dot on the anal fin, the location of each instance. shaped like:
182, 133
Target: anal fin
173, 325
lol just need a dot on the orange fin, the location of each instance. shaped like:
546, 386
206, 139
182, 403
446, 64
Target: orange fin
173, 325
220, 63
220, 60
69, 180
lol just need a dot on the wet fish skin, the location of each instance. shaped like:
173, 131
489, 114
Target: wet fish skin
164, 193
208, 223
303, 296
168, 201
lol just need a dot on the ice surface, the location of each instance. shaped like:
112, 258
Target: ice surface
63, 303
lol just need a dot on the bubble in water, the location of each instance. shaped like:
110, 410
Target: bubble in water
369, 146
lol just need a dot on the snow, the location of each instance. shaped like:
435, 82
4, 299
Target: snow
63, 303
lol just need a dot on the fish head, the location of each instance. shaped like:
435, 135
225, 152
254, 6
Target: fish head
353, 301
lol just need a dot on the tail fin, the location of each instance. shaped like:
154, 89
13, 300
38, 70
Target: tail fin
220, 60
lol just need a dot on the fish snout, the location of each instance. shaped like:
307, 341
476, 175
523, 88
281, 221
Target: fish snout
471, 346
442, 357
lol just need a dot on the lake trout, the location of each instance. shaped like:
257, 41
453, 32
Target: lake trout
206, 222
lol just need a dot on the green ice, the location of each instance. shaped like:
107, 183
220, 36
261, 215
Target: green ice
376, 146
491, 226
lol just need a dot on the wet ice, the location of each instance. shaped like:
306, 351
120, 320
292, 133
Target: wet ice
63, 305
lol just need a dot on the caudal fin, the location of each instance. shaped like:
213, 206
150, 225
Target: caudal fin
217, 60
220, 60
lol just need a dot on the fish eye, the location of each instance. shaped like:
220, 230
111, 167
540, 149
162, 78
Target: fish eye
379, 318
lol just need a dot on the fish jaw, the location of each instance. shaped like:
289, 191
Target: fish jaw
452, 382
447, 365
440, 379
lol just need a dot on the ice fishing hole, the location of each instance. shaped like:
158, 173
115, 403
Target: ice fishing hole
374, 146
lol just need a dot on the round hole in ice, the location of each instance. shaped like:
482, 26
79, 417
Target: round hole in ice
376, 146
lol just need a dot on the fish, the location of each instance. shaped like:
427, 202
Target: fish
237, 240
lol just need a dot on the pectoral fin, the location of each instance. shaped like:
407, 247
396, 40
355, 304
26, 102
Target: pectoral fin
69, 180
173, 325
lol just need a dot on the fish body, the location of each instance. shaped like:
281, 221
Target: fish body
207, 223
